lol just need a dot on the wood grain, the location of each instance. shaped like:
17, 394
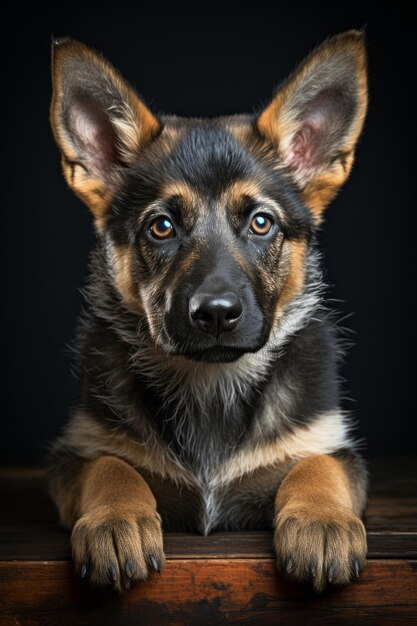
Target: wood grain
222, 578
49, 542
204, 592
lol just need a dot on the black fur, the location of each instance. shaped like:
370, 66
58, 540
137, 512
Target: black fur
148, 373
112, 382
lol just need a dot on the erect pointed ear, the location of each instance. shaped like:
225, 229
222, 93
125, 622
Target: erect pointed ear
98, 121
315, 119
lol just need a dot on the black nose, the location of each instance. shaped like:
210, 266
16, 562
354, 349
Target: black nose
215, 313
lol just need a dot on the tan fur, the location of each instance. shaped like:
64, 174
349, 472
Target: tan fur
123, 278
239, 190
321, 190
318, 535
295, 253
188, 196
271, 280
279, 123
232, 199
241, 130
134, 130
92, 439
191, 204
117, 523
109, 480
265, 464
317, 477
325, 434
92, 191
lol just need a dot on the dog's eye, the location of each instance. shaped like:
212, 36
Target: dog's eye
162, 228
261, 224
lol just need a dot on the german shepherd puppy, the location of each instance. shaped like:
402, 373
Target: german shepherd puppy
208, 366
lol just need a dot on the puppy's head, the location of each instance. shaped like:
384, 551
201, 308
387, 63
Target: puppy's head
207, 223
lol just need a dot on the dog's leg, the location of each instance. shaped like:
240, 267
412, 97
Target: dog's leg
318, 534
117, 536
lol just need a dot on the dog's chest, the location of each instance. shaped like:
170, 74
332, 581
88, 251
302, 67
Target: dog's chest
209, 504
205, 440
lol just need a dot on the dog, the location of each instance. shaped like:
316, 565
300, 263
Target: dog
207, 361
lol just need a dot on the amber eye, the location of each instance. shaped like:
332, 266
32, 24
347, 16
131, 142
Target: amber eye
162, 228
261, 224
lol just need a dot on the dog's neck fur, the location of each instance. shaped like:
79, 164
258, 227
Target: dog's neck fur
184, 398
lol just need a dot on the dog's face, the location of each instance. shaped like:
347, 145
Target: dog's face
207, 223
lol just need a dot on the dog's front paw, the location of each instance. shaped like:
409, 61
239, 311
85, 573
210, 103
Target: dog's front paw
323, 544
117, 546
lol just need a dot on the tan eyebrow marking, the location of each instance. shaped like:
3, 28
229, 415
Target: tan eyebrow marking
181, 189
239, 189
243, 189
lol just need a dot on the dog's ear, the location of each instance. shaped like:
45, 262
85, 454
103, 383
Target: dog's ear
99, 122
315, 118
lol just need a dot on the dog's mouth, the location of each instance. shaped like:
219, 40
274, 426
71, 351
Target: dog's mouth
207, 348
214, 354
211, 350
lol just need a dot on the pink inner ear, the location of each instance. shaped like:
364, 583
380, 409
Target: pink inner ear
94, 134
305, 146
322, 124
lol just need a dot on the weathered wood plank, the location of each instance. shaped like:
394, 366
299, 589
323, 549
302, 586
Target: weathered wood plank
206, 592
226, 577
49, 542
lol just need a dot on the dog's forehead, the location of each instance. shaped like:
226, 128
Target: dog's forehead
210, 160
193, 201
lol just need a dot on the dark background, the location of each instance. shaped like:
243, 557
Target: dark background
207, 59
